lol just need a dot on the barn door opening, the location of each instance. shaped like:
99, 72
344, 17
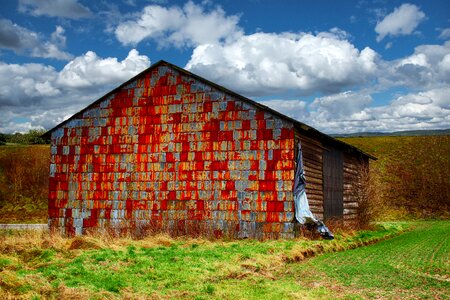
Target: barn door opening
333, 185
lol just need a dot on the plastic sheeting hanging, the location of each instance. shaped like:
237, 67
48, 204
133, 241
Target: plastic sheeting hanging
302, 212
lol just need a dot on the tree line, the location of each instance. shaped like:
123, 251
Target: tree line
32, 137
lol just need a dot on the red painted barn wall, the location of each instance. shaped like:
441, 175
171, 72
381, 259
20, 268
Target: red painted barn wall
168, 152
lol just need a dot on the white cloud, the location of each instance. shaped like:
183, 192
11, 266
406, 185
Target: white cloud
15, 37
419, 59
70, 9
52, 48
189, 25
427, 68
90, 70
349, 112
340, 106
402, 21
13, 127
27, 84
58, 37
445, 34
444, 67
265, 63
296, 109
22, 40
44, 96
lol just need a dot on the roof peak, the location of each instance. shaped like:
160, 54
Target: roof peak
299, 125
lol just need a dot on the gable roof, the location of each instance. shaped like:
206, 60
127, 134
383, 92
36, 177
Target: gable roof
302, 127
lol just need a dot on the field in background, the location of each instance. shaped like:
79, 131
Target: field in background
24, 183
409, 179
412, 265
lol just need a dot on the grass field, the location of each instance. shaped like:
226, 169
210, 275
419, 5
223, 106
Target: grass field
412, 265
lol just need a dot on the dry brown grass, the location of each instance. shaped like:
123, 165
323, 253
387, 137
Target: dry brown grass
23, 241
411, 175
24, 183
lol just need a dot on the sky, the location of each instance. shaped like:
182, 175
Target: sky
339, 66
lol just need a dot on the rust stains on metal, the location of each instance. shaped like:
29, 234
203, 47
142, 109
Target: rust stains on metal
169, 152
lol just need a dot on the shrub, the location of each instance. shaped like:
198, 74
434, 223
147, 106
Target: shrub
367, 193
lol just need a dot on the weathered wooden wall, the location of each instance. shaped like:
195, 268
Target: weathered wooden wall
354, 176
354, 166
313, 163
171, 153
333, 183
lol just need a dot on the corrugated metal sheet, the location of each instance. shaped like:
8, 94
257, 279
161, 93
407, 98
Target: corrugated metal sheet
169, 152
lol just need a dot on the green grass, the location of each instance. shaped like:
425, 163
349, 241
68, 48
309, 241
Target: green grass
412, 265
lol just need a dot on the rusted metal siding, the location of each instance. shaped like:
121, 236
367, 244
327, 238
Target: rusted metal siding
168, 152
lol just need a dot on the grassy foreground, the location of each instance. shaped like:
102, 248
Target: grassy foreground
414, 264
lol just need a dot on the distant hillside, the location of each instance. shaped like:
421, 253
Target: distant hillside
411, 175
396, 133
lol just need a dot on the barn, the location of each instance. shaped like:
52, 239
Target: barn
171, 151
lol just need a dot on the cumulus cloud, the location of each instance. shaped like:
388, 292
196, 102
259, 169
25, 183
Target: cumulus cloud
27, 84
43, 96
22, 40
189, 25
423, 110
428, 67
340, 106
402, 21
90, 70
70, 9
265, 63
15, 37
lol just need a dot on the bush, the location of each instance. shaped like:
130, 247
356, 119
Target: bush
3, 138
367, 192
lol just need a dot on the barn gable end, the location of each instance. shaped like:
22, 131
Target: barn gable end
171, 151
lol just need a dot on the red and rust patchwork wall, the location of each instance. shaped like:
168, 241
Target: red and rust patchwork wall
169, 152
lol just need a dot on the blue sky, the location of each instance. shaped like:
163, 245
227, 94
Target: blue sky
340, 66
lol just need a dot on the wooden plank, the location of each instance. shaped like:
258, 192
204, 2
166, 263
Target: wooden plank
314, 186
307, 140
333, 186
312, 164
314, 180
313, 196
313, 172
